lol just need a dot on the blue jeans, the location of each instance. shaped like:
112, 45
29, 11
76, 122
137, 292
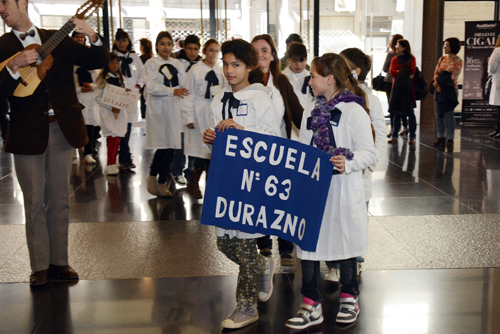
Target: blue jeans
348, 273
445, 126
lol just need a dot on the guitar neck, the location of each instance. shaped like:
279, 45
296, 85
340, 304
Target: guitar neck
49, 46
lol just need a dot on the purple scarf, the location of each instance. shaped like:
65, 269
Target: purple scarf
321, 117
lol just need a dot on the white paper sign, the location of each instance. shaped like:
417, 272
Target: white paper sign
117, 97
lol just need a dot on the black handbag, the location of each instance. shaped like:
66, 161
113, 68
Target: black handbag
487, 86
378, 83
421, 86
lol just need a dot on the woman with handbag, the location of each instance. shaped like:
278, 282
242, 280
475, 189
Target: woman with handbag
494, 71
403, 97
445, 120
388, 79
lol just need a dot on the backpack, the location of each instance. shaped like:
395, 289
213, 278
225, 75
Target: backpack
421, 86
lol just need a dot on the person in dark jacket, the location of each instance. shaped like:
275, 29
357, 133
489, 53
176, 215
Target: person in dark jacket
403, 97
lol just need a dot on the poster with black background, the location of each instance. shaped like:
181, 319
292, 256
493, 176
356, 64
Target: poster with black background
480, 40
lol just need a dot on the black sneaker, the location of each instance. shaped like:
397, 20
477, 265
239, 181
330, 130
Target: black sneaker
308, 315
127, 164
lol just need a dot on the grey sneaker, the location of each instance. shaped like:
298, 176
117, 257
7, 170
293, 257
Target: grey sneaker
308, 315
266, 281
333, 275
348, 311
244, 314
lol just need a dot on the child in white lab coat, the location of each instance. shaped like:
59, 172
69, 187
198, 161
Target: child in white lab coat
203, 81
339, 114
165, 77
298, 74
113, 121
255, 112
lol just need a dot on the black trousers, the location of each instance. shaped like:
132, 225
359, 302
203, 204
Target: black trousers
4, 120
284, 246
124, 153
160, 166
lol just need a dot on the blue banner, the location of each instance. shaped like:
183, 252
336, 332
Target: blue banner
266, 184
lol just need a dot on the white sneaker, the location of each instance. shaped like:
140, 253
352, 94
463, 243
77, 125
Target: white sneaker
112, 170
348, 310
333, 275
308, 315
266, 281
89, 160
179, 179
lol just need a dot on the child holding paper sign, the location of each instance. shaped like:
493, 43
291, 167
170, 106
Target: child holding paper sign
113, 121
338, 124
246, 105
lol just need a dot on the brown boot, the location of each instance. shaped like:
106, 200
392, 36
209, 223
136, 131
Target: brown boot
193, 184
440, 142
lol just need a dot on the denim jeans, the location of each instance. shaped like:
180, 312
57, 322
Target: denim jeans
445, 126
179, 160
124, 152
348, 273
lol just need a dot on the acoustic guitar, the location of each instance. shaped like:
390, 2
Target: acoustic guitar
32, 75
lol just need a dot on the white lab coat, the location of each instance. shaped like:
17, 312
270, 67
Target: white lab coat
109, 125
279, 105
137, 78
260, 117
91, 111
494, 71
163, 115
378, 121
297, 81
344, 228
195, 109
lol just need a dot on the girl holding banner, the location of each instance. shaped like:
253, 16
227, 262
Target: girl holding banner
246, 105
337, 122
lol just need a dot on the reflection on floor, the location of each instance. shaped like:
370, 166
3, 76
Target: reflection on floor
148, 266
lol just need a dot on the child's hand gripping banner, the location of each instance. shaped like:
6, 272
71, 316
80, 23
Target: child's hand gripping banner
266, 184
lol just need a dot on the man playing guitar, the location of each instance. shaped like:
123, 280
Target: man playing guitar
44, 128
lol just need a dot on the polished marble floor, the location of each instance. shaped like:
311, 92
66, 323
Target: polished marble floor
148, 266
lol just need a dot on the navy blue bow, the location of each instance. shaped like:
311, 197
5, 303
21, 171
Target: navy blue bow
125, 66
190, 65
306, 84
115, 81
172, 82
212, 80
83, 76
233, 103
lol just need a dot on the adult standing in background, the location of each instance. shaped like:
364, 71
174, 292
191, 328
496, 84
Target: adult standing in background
146, 54
494, 71
451, 63
44, 128
133, 72
388, 78
403, 96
